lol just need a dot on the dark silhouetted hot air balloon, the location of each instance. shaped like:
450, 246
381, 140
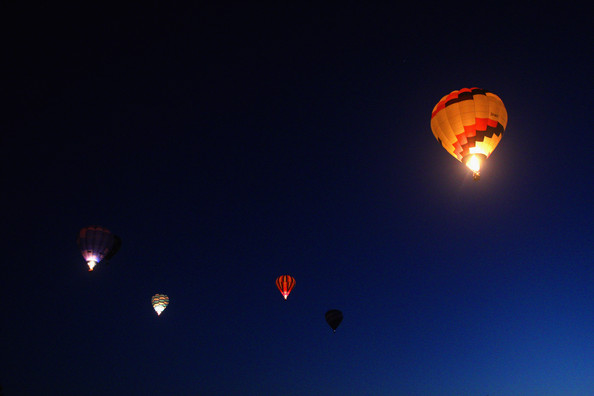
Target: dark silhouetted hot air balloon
96, 244
334, 317
160, 302
469, 124
285, 284
117, 244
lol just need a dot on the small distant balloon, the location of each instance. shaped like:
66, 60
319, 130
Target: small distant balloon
333, 318
97, 243
160, 302
285, 284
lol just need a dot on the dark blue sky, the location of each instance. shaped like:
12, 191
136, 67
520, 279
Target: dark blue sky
227, 145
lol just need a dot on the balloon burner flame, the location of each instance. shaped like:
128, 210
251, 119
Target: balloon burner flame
91, 264
474, 164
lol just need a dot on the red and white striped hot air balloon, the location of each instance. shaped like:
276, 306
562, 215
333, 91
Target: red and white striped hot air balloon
285, 284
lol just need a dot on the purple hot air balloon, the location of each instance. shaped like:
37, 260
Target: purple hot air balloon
97, 243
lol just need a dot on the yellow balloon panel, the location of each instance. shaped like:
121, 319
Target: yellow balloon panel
469, 121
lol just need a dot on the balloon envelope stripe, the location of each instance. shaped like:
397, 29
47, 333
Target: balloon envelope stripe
456, 97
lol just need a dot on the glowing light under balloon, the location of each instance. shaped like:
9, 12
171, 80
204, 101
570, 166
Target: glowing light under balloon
91, 264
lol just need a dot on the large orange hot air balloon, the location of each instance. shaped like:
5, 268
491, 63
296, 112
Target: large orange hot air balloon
285, 284
97, 243
469, 124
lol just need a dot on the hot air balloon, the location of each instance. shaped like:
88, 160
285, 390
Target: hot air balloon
117, 244
160, 302
469, 124
285, 284
97, 243
334, 317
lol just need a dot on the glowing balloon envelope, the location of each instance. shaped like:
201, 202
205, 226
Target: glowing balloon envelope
160, 302
285, 284
333, 318
97, 243
469, 124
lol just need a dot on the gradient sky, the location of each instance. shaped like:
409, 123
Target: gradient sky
227, 145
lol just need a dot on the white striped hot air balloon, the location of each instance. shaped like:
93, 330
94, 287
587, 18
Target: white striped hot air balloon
160, 302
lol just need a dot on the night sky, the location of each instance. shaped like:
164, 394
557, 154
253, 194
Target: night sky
229, 144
